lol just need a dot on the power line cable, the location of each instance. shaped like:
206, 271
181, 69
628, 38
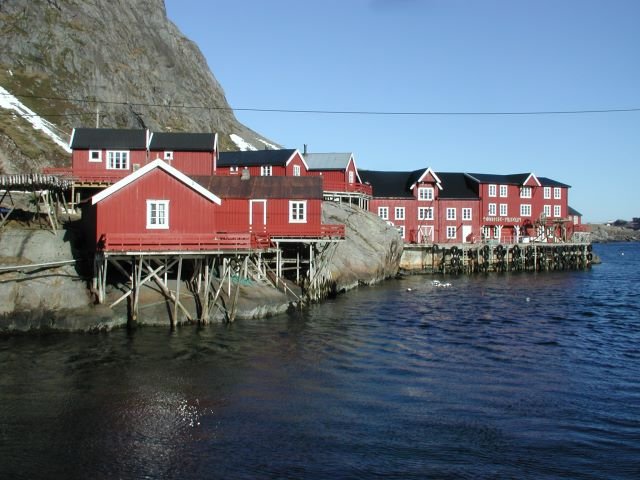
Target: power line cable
339, 112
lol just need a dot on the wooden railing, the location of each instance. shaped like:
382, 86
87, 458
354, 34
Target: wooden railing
331, 230
332, 186
195, 242
87, 176
148, 242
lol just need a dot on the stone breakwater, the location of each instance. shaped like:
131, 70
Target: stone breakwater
38, 296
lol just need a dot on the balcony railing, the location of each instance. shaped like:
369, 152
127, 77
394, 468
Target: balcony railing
87, 176
332, 186
161, 242
330, 231
220, 241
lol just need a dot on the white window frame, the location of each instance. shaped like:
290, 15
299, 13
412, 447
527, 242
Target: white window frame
112, 159
547, 211
493, 190
486, 231
266, 171
297, 211
296, 170
401, 231
492, 210
352, 176
97, 160
234, 170
383, 213
503, 191
451, 232
451, 213
168, 155
525, 192
154, 222
497, 230
557, 210
504, 208
398, 213
557, 193
425, 213
525, 209
547, 193
466, 214
425, 194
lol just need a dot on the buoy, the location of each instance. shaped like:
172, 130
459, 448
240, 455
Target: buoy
408, 289
528, 299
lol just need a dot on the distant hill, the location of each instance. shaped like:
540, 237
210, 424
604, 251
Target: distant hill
61, 61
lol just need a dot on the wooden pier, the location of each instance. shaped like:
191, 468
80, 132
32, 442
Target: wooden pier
482, 258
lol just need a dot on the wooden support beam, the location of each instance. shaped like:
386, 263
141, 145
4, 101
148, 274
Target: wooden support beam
177, 299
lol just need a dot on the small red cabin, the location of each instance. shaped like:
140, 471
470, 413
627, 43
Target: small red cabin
155, 208
338, 171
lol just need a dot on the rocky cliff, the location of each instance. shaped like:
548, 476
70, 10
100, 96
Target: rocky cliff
66, 60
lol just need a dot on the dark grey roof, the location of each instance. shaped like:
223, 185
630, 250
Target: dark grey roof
255, 158
573, 211
548, 182
391, 184
99, 138
185, 142
512, 179
457, 186
263, 187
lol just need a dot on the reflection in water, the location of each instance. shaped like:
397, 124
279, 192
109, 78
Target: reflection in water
522, 376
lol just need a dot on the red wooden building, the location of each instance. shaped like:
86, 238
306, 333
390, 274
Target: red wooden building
451, 207
407, 200
161, 209
154, 208
279, 207
340, 178
105, 155
191, 153
521, 207
263, 163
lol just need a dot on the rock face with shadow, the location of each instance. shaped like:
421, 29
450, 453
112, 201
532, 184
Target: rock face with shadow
370, 253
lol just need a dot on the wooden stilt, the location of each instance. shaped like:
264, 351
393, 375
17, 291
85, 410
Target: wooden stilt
205, 303
177, 299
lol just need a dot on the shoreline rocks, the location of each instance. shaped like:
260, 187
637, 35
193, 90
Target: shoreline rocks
57, 298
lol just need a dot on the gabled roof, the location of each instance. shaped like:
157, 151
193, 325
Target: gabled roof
424, 174
185, 142
573, 211
263, 187
112, 138
457, 186
256, 158
548, 182
328, 161
391, 184
157, 163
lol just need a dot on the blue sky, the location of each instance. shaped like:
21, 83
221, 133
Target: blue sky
440, 56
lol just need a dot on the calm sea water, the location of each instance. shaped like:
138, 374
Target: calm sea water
499, 376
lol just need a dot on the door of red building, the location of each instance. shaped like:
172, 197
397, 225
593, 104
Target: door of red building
257, 216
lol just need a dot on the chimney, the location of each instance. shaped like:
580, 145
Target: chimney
245, 174
304, 149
